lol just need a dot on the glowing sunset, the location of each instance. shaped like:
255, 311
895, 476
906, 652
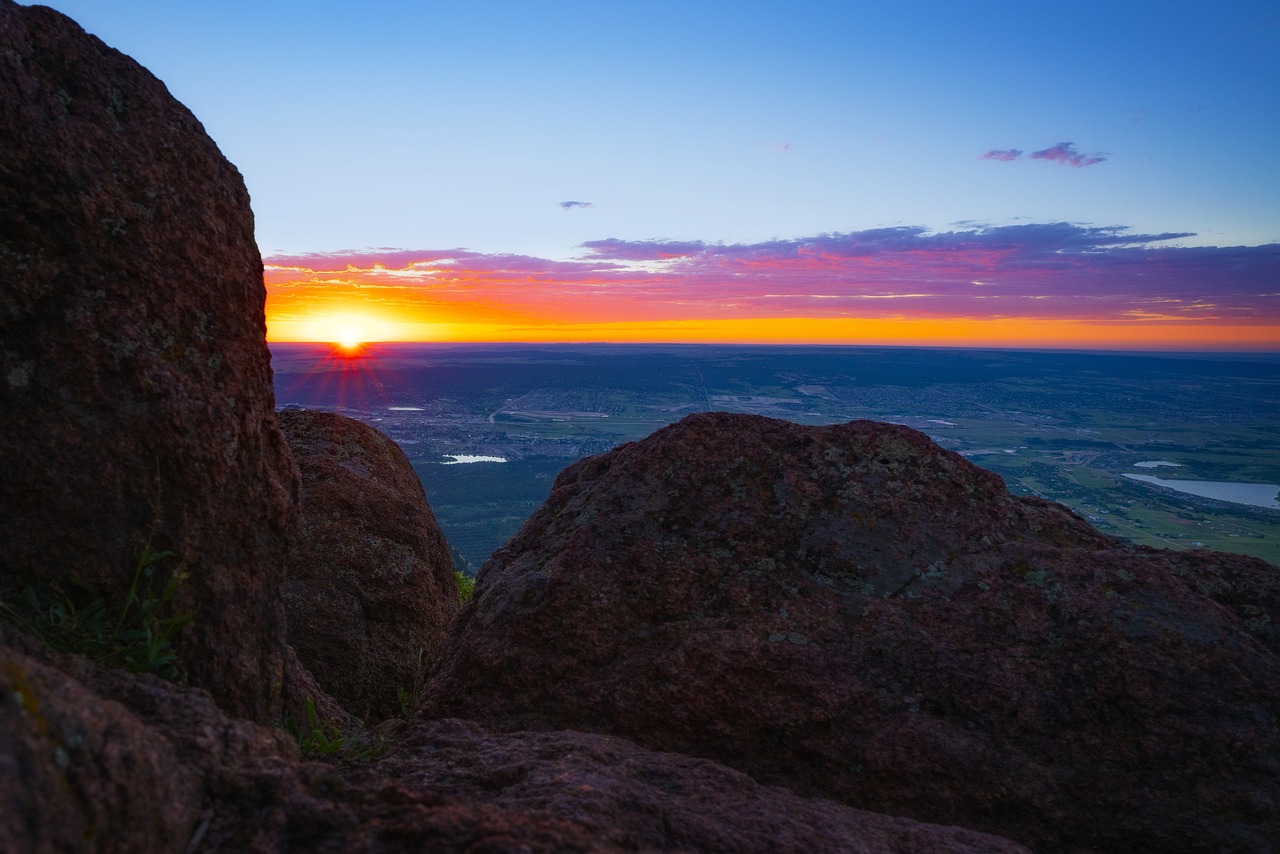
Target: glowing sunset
1055, 285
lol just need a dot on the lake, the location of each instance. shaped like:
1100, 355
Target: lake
1256, 494
455, 459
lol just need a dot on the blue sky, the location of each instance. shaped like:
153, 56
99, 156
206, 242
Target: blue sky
467, 124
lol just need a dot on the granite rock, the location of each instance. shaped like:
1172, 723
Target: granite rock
855, 613
136, 402
371, 589
103, 760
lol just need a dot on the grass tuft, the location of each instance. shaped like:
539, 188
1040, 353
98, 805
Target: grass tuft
134, 631
321, 739
466, 586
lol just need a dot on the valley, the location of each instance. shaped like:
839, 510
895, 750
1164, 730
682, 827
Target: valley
1065, 426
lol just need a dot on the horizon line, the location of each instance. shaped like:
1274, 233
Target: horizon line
1274, 351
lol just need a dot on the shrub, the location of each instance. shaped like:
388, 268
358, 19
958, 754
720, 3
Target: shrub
466, 586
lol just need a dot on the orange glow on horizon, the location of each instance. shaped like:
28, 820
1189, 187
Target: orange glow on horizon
501, 299
1015, 333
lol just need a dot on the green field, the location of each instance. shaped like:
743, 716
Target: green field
481, 505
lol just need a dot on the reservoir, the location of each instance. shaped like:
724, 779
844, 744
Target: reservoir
454, 459
1255, 494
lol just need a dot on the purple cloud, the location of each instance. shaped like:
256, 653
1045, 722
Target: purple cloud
1002, 154
1065, 153
1048, 269
571, 205
1076, 266
643, 250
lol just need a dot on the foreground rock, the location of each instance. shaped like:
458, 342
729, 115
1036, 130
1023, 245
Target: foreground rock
371, 588
103, 760
136, 406
856, 613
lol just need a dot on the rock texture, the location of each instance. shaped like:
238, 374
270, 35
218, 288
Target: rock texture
371, 587
856, 613
76, 770
135, 386
622, 797
107, 761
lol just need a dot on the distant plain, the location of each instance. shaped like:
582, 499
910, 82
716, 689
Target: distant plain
1066, 426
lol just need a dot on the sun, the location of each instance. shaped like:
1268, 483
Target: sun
350, 335
349, 338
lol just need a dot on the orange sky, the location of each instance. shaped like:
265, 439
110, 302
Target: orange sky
890, 287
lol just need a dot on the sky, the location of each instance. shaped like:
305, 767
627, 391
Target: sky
1023, 174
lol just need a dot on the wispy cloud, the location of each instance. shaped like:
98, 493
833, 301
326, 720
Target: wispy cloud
571, 205
1065, 154
1003, 154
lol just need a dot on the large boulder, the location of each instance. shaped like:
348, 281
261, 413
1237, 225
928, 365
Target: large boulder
103, 760
371, 588
854, 612
136, 405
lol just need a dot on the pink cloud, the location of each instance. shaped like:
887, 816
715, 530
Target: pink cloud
1002, 154
1065, 154
1062, 270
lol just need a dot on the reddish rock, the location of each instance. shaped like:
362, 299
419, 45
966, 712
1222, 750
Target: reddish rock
136, 405
853, 612
80, 773
371, 588
621, 797
108, 761
304, 698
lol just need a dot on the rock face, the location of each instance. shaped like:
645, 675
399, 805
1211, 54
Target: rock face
371, 588
108, 761
854, 612
135, 385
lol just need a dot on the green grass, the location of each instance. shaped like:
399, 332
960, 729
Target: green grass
466, 587
132, 631
321, 739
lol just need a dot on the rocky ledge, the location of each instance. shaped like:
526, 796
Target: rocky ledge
94, 759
